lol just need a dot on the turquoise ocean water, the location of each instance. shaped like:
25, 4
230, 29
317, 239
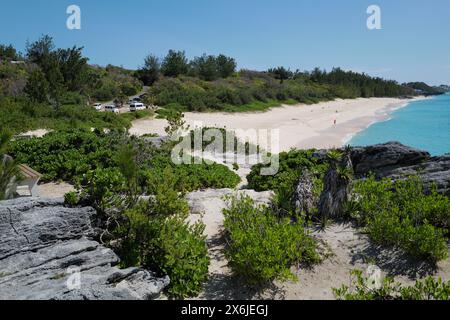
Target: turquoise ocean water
422, 124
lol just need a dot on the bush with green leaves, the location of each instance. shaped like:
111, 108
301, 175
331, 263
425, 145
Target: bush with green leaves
401, 214
71, 199
69, 156
104, 188
66, 155
156, 235
292, 164
427, 289
251, 91
191, 177
262, 247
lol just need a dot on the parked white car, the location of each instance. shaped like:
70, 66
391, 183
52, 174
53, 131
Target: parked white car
136, 106
98, 106
112, 108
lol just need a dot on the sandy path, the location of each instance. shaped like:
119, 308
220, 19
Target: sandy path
345, 247
301, 126
53, 190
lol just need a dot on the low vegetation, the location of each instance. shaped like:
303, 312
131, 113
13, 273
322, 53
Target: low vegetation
9, 171
192, 177
362, 289
292, 165
49, 87
70, 156
156, 235
401, 214
263, 247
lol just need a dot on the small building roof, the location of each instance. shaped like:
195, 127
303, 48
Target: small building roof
29, 173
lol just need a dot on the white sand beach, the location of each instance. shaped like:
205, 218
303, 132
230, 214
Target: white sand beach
300, 126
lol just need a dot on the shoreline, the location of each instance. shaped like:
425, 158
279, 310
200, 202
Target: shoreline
385, 115
300, 126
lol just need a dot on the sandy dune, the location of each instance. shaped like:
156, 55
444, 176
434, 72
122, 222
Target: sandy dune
301, 126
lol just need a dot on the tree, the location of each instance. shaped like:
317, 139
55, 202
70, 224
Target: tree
205, 67
121, 99
176, 122
73, 67
8, 53
281, 73
175, 64
151, 71
149, 100
226, 66
40, 49
37, 87
55, 79
126, 161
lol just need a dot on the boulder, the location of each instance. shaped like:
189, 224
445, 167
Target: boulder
382, 158
48, 251
396, 161
433, 172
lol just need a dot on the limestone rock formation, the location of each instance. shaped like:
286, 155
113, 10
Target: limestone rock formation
382, 158
47, 252
396, 161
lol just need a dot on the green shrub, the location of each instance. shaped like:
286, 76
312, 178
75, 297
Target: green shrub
65, 155
427, 289
292, 164
190, 177
162, 240
262, 247
69, 156
104, 188
401, 214
71, 199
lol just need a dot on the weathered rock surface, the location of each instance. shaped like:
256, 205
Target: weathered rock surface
435, 171
395, 160
47, 251
382, 158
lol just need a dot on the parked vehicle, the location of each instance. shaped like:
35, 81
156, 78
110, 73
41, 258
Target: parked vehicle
136, 106
98, 106
112, 108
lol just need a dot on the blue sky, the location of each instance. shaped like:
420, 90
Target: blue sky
413, 45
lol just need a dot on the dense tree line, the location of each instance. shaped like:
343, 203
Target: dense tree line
175, 63
9, 53
57, 77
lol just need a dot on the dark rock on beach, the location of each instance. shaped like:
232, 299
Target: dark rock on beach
397, 161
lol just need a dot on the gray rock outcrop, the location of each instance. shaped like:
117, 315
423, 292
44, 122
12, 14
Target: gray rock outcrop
396, 161
382, 158
47, 252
